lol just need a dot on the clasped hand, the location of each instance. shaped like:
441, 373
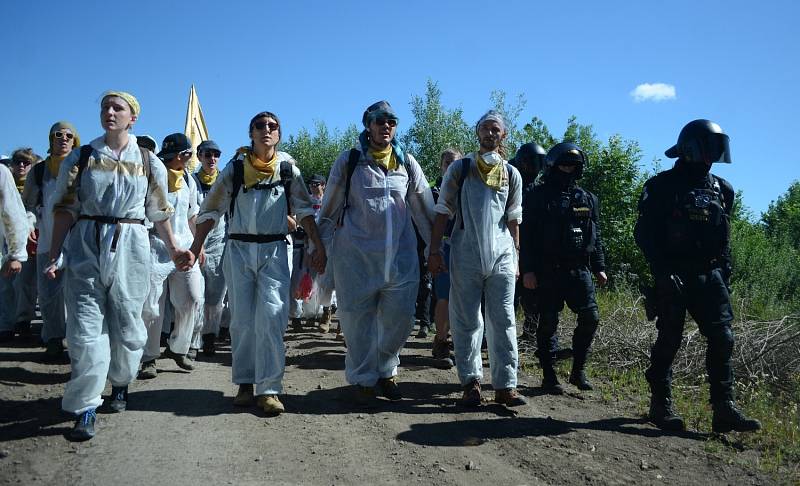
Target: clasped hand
183, 259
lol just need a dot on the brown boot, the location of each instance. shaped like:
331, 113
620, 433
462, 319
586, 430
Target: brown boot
472, 395
509, 397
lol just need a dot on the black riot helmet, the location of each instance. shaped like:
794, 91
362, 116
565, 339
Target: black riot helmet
566, 153
530, 158
701, 141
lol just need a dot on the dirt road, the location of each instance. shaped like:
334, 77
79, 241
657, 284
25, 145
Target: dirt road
181, 428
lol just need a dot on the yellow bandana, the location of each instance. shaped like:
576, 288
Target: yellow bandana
207, 179
53, 164
492, 175
385, 158
20, 184
255, 169
174, 179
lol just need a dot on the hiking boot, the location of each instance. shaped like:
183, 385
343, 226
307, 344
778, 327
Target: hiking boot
54, 351
727, 417
148, 371
325, 320
365, 396
181, 360
389, 389
118, 399
224, 335
84, 426
509, 397
550, 383
578, 378
472, 395
424, 329
663, 416
441, 352
270, 404
244, 397
208, 345
297, 324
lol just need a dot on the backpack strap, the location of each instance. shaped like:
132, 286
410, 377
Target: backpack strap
238, 180
286, 174
352, 161
465, 163
38, 177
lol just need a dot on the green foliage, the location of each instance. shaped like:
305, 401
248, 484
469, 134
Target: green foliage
436, 128
782, 219
316, 153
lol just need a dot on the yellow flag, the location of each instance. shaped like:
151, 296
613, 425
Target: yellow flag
196, 128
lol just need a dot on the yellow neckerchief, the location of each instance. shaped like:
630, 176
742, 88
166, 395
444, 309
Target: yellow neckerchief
20, 183
174, 179
385, 157
53, 164
255, 169
207, 179
492, 175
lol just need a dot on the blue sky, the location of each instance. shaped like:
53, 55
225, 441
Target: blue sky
734, 62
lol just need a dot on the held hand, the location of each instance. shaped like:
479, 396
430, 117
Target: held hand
529, 281
436, 263
292, 223
201, 258
32, 238
184, 260
319, 260
11, 268
602, 278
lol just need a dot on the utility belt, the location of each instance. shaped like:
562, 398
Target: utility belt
257, 238
109, 220
692, 267
572, 263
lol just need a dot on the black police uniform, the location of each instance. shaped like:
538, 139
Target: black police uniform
683, 230
562, 246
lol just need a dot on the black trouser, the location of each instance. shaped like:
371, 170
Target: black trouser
423, 306
575, 287
530, 305
706, 298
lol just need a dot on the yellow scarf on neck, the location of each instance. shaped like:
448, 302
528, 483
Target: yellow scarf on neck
385, 158
174, 179
492, 175
53, 164
207, 179
255, 169
20, 184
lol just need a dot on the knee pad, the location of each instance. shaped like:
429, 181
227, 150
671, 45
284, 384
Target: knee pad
548, 322
589, 318
721, 337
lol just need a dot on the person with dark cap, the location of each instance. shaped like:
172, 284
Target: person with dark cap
561, 249
373, 192
258, 189
147, 142
683, 230
38, 199
208, 153
184, 287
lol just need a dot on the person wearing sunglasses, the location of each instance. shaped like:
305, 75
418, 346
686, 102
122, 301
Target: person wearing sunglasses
38, 200
14, 230
185, 288
258, 189
373, 193
208, 152
104, 192
24, 286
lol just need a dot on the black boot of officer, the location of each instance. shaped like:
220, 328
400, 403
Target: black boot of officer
581, 341
547, 343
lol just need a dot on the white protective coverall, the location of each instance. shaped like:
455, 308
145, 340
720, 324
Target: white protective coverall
38, 202
374, 256
107, 265
185, 288
483, 260
257, 274
14, 230
215, 287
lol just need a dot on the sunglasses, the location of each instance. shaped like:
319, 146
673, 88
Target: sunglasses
66, 135
210, 153
383, 121
21, 162
316, 184
186, 154
262, 125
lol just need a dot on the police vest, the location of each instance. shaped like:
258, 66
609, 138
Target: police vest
569, 231
698, 226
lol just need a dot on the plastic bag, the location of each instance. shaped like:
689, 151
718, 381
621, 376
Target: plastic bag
305, 287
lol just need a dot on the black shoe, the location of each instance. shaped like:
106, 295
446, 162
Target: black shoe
441, 353
550, 383
297, 324
664, 416
208, 345
118, 399
389, 389
24, 329
578, 378
84, 427
54, 351
424, 329
727, 418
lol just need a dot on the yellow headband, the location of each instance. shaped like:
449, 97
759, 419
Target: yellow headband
129, 98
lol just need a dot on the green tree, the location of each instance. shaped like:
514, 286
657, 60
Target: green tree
782, 219
316, 153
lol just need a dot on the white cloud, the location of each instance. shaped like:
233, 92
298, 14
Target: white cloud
653, 92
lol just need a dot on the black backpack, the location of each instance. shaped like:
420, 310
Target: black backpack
238, 181
465, 165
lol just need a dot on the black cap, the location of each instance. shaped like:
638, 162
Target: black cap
317, 179
208, 145
174, 144
146, 142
